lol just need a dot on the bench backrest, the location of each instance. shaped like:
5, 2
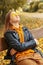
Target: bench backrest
3, 44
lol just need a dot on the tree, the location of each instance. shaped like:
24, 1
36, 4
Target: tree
9, 4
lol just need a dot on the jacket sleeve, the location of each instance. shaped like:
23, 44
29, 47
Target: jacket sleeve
14, 43
31, 42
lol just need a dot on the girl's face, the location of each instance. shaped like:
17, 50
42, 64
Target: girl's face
14, 18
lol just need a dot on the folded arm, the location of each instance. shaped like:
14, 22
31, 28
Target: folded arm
15, 44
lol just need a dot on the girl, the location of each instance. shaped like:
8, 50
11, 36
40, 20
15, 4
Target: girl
21, 44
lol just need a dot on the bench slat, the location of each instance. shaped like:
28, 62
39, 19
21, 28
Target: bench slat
3, 45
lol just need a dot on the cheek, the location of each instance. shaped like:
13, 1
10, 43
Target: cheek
13, 18
18, 18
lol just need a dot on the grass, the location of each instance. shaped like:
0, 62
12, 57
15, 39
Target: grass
1, 30
31, 22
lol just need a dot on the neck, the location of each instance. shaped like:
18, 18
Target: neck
16, 25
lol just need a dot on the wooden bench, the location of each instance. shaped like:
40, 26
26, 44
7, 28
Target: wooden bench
3, 44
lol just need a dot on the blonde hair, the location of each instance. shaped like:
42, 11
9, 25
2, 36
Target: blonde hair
7, 20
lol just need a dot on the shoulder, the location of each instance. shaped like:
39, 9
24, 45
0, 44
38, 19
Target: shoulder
25, 28
9, 32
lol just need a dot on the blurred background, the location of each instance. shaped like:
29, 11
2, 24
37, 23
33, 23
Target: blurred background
31, 11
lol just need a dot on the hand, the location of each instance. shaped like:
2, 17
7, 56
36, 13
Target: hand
36, 42
12, 51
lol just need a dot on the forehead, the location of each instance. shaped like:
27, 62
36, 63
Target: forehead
13, 14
